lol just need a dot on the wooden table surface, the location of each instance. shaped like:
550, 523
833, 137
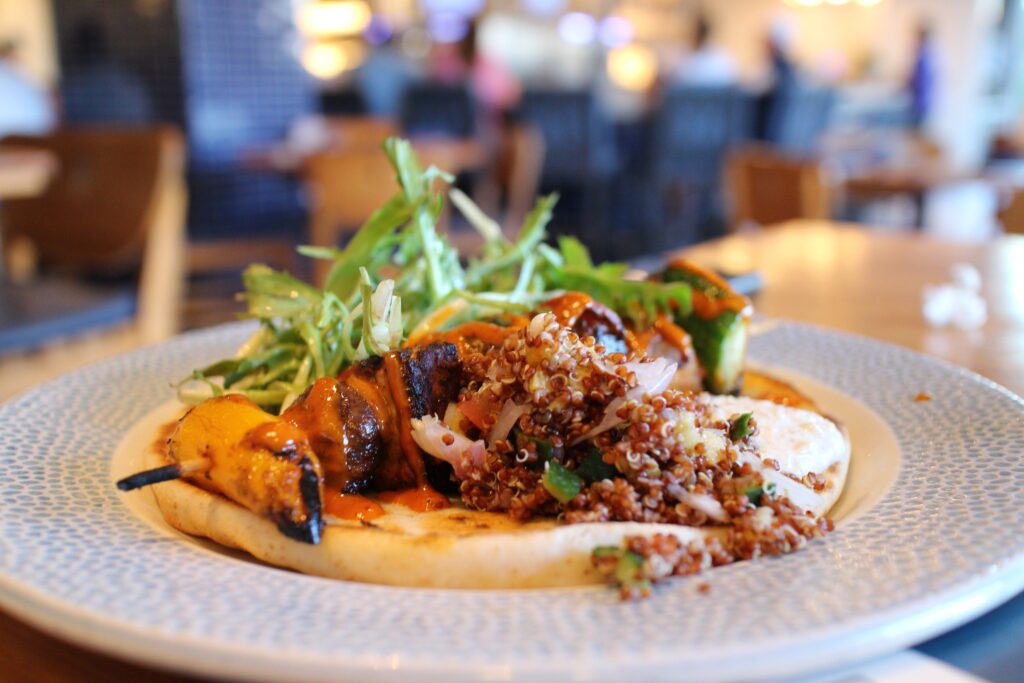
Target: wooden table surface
849, 278
843, 277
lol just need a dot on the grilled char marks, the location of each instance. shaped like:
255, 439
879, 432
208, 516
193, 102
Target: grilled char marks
309, 529
369, 379
430, 379
343, 429
431, 376
296, 500
401, 386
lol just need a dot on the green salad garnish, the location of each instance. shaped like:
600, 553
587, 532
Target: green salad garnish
395, 272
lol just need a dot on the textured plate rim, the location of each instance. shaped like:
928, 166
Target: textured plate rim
853, 641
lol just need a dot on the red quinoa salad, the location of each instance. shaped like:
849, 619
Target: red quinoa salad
552, 424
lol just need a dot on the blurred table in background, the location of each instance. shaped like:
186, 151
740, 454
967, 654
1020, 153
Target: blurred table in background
915, 181
850, 278
881, 163
23, 173
94, 243
841, 276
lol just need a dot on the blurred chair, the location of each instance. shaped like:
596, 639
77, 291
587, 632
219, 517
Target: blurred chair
210, 260
798, 117
693, 127
692, 130
580, 152
579, 140
213, 266
1011, 215
342, 102
766, 187
114, 213
437, 109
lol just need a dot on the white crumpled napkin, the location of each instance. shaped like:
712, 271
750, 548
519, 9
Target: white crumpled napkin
958, 303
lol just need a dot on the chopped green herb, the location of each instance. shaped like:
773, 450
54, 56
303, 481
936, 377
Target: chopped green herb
629, 572
593, 467
754, 493
561, 483
740, 427
545, 449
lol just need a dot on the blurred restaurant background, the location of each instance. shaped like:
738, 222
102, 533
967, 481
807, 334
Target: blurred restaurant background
151, 149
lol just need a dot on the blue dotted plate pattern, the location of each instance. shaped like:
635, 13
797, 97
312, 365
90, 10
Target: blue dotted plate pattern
953, 517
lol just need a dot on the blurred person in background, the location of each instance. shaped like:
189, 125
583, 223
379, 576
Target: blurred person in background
923, 81
383, 77
707, 64
26, 108
494, 87
96, 78
783, 73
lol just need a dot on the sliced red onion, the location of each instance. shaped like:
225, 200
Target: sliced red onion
798, 494
701, 502
651, 378
659, 348
687, 376
453, 417
506, 420
464, 455
610, 420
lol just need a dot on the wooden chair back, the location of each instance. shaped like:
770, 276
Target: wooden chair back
1011, 215
766, 188
116, 206
345, 187
438, 109
579, 138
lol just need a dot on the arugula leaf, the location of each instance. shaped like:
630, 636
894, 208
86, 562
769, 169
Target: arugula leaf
574, 254
399, 270
640, 301
444, 272
531, 234
343, 277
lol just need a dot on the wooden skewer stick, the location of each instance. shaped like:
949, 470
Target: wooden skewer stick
165, 473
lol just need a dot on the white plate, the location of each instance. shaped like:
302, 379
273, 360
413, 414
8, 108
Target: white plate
930, 533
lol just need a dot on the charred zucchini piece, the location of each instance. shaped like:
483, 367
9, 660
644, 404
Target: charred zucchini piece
718, 324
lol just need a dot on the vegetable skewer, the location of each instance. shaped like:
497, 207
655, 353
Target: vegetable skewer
162, 474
